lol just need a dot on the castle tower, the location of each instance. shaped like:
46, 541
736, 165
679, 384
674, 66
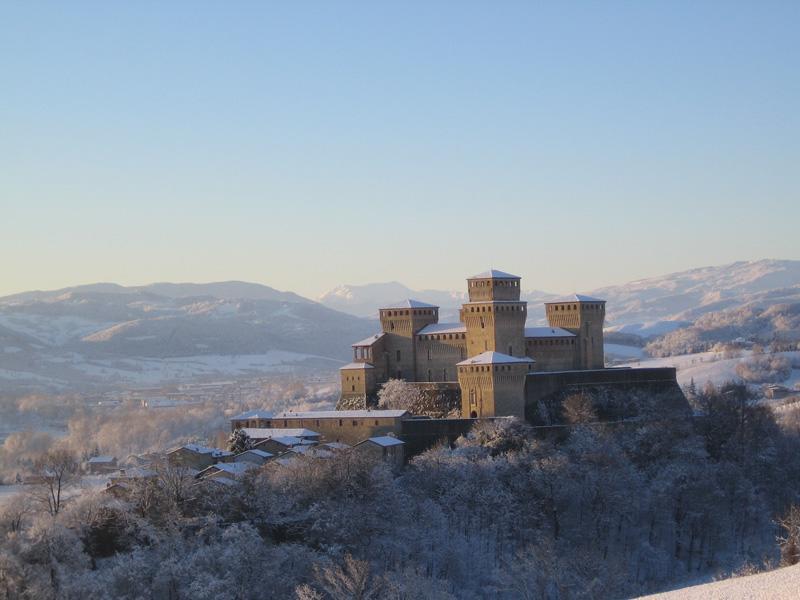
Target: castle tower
583, 316
400, 324
495, 316
493, 384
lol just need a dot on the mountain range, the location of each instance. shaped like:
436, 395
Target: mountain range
110, 335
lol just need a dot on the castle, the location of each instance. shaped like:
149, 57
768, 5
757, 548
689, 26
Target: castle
488, 355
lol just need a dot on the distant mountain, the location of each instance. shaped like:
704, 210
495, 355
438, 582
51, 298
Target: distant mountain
365, 300
646, 307
105, 333
689, 294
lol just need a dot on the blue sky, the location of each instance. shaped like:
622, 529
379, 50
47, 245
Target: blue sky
302, 145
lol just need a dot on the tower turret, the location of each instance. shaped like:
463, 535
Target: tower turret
583, 316
494, 316
401, 322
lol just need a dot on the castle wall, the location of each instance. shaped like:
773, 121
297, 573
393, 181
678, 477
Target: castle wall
552, 353
540, 385
495, 326
437, 355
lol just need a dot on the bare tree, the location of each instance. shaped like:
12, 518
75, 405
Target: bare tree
55, 470
790, 542
351, 581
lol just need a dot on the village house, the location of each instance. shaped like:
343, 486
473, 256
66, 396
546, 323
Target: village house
383, 448
101, 464
194, 456
348, 426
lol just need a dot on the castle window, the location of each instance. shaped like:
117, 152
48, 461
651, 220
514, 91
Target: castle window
444, 374
355, 423
429, 353
399, 373
376, 422
353, 388
430, 376
340, 422
391, 325
398, 356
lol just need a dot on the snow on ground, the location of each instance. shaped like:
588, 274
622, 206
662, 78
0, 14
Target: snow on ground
780, 584
649, 328
707, 366
8, 491
618, 351
51, 330
150, 371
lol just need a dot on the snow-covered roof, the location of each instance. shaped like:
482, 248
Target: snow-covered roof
253, 414
410, 303
443, 328
257, 452
574, 298
101, 459
263, 433
370, 340
234, 468
547, 332
356, 365
494, 274
135, 473
383, 440
493, 358
342, 414
286, 440
227, 481
204, 450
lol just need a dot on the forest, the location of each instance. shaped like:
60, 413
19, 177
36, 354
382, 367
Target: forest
587, 511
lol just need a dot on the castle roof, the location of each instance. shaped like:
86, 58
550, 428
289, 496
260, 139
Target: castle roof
443, 328
493, 358
370, 340
411, 303
341, 414
494, 274
356, 365
575, 298
547, 332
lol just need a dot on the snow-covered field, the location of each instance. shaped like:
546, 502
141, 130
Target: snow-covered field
620, 352
780, 584
708, 366
69, 367
8, 491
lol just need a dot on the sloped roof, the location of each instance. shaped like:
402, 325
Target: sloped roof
411, 303
341, 414
547, 332
370, 340
252, 414
203, 450
493, 358
102, 459
262, 433
494, 274
575, 298
283, 439
383, 440
356, 365
258, 452
443, 328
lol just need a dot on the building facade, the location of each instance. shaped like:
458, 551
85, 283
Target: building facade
488, 352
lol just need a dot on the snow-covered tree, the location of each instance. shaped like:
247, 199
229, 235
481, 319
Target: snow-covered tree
239, 441
398, 394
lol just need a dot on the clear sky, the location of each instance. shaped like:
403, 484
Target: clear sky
307, 144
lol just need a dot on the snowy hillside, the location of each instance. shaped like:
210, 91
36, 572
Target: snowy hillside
105, 333
646, 307
780, 584
364, 300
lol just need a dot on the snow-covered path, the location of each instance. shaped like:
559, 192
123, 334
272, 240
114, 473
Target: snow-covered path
780, 584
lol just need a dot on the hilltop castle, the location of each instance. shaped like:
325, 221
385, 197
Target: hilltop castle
489, 352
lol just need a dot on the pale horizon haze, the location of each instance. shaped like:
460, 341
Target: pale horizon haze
306, 145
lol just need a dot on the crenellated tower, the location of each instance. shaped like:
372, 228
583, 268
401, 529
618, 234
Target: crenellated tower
494, 316
583, 316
